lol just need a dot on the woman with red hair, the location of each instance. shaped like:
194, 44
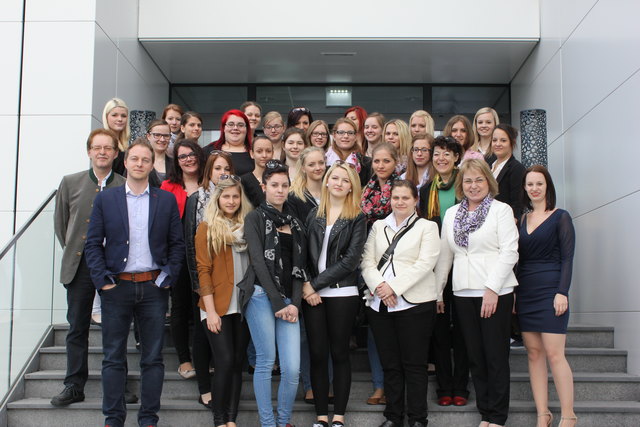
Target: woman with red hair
235, 139
358, 115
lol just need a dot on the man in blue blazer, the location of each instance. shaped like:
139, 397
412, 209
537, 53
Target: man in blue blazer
134, 251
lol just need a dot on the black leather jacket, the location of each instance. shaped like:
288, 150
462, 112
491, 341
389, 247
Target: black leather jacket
346, 244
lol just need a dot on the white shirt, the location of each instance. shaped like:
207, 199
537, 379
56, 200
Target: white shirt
347, 291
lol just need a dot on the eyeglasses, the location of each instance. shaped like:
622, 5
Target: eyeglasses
105, 148
239, 125
273, 127
273, 164
421, 150
160, 135
343, 163
478, 181
345, 132
319, 134
224, 176
184, 157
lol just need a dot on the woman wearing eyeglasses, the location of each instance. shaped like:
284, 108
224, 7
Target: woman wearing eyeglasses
217, 166
300, 118
271, 292
273, 126
235, 139
480, 240
436, 197
419, 167
336, 232
159, 135
345, 148
188, 163
317, 135
222, 260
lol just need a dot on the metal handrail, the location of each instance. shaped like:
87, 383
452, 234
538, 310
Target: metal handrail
26, 225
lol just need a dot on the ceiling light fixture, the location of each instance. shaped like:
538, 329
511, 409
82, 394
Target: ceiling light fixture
338, 53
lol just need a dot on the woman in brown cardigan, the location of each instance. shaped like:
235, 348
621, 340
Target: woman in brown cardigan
222, 260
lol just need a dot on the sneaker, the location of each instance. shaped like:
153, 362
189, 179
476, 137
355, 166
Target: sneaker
69, 395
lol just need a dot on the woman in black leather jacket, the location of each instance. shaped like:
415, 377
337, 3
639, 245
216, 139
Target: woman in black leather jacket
336, 233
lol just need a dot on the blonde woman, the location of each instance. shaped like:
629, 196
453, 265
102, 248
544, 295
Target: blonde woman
336, 232
115, 116
222, 260
484, 122
397, 132
273, 126
306, 188
373, 127
421, 122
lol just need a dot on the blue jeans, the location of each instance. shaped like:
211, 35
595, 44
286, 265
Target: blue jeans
148, 304
267, 332
377, 376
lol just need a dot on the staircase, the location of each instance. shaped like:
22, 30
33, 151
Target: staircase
605, 394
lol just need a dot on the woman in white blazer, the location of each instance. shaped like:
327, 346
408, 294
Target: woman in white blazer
402, 307
480, 239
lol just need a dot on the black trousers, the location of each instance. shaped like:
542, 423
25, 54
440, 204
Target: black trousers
229, 347
487, 342
181, 314
453, 379
80, 294
328, 328
202, 356
402, 339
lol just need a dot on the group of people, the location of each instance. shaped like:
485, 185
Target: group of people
272, 239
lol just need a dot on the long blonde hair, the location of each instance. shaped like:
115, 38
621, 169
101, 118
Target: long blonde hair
474, 127
123, 137
299, 183
404, 133
220, 228
428, 120
351, 206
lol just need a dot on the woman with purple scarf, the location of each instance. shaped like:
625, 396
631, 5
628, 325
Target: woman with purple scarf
480, 240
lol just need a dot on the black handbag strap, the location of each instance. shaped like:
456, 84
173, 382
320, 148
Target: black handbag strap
392, 247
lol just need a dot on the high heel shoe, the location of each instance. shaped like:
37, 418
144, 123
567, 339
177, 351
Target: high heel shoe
547, 414
562, 419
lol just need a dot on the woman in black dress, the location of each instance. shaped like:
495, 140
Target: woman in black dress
261, 152
546, 246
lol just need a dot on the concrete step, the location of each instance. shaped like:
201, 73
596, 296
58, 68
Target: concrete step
587, 386
35, 412
580, 359
578, 336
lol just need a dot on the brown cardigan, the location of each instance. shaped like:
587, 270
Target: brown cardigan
215, 272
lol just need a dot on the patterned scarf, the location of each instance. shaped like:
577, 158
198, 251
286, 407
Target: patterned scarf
203, 200
463, 225
353, 159
275, 219
375, 200
434, 197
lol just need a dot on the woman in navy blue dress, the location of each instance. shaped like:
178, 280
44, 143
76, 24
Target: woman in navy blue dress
546, 247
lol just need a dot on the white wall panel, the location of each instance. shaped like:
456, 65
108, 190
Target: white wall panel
555, 155
105, 74
6, 227
58, 68
9, 126
61, 10
42, 152
599, 55
11, 11
590, 145
11, 36
339, 19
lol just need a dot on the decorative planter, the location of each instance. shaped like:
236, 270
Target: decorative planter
139, 120
533, 127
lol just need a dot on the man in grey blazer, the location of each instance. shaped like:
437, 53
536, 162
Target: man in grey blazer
74, 202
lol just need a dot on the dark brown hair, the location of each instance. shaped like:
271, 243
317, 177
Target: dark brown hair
550, 196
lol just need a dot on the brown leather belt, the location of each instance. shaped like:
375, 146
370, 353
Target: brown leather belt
140, 277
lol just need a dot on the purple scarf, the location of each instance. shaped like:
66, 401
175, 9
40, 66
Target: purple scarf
463, 224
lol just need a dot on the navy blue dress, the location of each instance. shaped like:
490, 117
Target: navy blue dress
544, 270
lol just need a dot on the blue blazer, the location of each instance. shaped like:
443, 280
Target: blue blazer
107, 246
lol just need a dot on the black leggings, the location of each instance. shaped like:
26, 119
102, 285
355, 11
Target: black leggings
202, 356
181, 314
229, 348
328, 329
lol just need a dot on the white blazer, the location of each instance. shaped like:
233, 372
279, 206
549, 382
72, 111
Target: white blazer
413, 260
488, 260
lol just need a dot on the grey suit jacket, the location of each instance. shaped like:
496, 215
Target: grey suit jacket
74, 202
